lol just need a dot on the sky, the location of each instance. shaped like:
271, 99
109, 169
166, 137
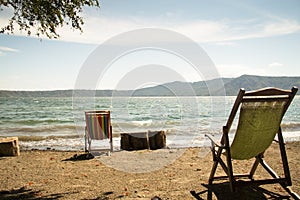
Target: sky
256, 37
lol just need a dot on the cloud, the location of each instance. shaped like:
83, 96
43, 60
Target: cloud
226, 43
270, 29
221, 32
236, 70
98, 28
275, 64
8, 49
281, 28
4, 49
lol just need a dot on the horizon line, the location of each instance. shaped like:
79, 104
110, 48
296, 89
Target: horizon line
67, 89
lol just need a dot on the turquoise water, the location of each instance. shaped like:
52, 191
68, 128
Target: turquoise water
59, 122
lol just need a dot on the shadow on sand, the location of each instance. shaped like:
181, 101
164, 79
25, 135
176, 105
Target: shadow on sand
24, 193
80, 157
222, 191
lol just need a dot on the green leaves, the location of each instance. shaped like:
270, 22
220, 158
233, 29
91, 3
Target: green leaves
45, 16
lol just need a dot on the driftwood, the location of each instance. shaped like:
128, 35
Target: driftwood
143, 140
9, 146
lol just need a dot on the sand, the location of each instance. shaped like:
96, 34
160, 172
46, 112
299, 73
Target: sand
164, 174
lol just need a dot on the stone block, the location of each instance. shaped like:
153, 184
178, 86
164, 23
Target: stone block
143, 140
9, 146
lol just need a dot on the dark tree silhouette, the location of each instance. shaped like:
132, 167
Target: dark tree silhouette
44, 16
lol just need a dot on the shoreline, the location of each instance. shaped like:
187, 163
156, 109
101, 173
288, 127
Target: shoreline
53, 174
72, 143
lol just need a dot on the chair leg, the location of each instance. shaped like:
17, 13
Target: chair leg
215, 165
292, 193
228, 159
111, 140
268, 168
90, 144
254, 167
284, 158
213, 171
85, 140
85, 144
230, 171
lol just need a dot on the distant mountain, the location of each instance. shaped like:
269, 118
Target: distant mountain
250, 82
55, 93
177, 88
231, 85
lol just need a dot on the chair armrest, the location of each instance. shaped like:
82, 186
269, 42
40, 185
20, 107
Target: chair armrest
214, 141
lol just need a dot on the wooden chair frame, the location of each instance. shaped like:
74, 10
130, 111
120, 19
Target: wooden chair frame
223, 147
88, 138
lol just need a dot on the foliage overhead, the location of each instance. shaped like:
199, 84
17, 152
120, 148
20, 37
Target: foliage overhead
45, 15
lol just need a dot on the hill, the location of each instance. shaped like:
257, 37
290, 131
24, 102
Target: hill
231, 85
250, 82
177, 88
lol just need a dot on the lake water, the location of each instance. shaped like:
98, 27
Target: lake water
59, 123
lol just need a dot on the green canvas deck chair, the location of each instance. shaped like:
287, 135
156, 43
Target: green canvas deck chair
261, 112
98, 127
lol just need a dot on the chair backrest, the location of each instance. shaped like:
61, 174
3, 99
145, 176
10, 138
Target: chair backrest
259, 120
98, 124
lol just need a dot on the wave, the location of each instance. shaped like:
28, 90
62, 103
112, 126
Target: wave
291, 126
142, 122
39, 129
69, 128
52, 137
40, 121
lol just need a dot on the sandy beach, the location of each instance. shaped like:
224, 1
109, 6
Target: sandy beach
166, 173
